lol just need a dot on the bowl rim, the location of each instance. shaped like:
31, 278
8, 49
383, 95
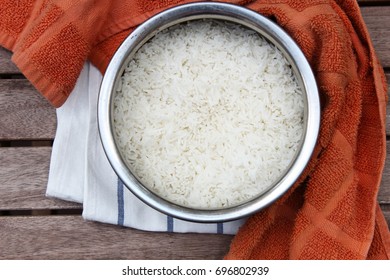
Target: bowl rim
228, 12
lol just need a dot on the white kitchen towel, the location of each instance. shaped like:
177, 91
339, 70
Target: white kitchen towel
67, 164
80, 171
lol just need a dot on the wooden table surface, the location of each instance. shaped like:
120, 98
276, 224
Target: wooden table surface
35, 227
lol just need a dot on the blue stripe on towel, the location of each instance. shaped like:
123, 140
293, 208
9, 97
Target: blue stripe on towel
169, 224
121, 202
219, 227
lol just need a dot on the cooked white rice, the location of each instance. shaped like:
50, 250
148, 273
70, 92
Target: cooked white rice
208, 114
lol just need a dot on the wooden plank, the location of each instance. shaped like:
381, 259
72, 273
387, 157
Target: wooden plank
378, 24
386, 212
24, 113
23, 179
388, 105
384, 191
70, 237
24, 173
6, 65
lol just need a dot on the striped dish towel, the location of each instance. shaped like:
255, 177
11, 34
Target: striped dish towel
80, 171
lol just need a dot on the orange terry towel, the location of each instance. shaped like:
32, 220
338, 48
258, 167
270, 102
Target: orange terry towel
332, 211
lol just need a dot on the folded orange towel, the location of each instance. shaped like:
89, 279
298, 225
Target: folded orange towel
331, 212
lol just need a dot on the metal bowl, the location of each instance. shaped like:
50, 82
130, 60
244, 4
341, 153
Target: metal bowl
226, 12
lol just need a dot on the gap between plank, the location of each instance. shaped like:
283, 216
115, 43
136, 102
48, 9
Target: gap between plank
26, 143
8, 76
41, 212
374, 4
